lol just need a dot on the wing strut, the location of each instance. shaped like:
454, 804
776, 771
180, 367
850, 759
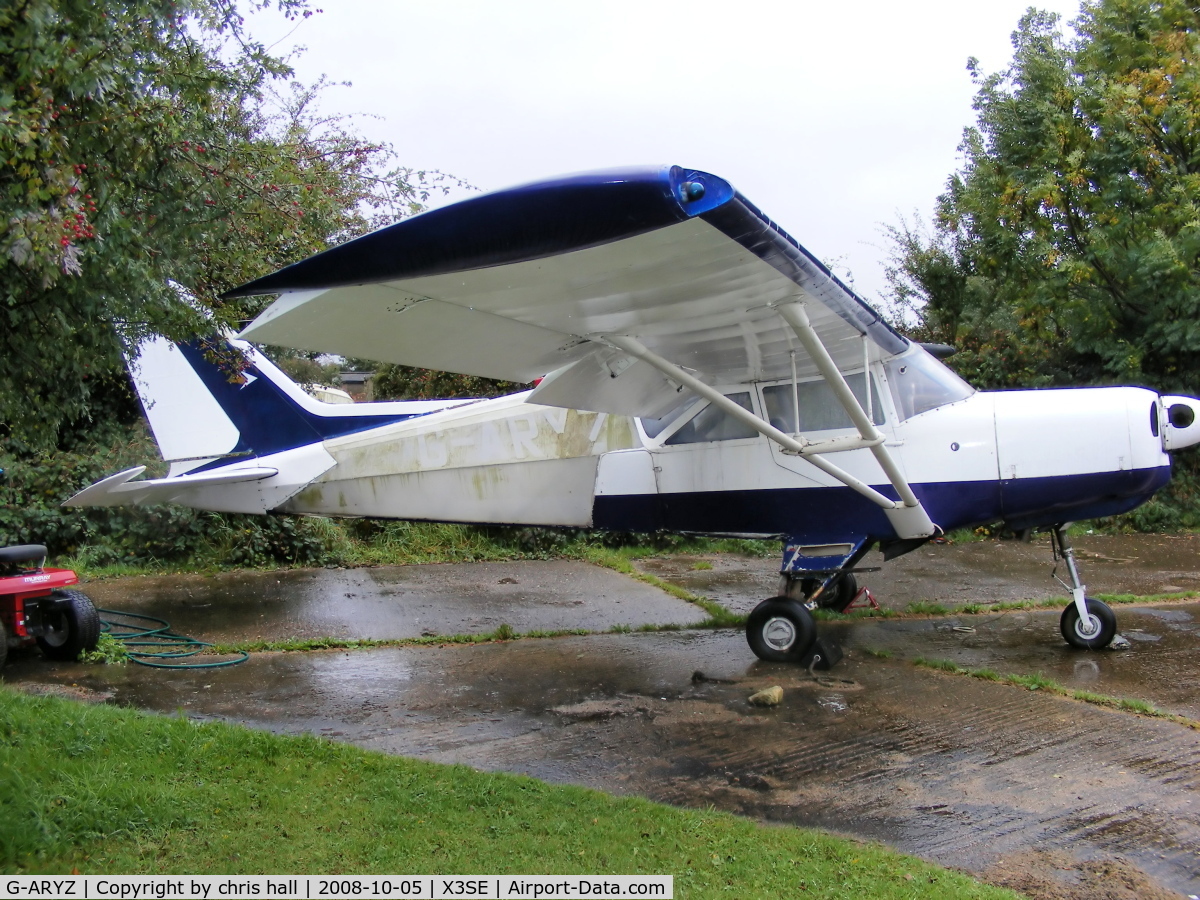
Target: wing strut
911, 516
910, 521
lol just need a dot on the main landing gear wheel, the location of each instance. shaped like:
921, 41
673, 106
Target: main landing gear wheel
780, 630
1094, 633
72, 626
840, 593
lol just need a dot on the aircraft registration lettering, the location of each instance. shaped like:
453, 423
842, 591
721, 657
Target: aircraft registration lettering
533, 434
432, 451
491, 450
524, 433
595, 432
557, 417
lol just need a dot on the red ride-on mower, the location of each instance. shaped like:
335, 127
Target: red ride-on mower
34, 606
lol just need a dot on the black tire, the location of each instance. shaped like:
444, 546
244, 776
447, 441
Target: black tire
1076, 637
3, 644
72, 625
780, 630
841, 593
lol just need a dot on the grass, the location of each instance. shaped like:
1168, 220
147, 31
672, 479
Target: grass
353, 543
503, 633
620, 560
927, 608
822, 614
113, 791
1040, 682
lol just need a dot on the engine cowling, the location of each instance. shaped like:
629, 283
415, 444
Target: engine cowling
1180, 419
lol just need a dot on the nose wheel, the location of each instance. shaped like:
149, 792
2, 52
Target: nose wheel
1086, 623
1093, 633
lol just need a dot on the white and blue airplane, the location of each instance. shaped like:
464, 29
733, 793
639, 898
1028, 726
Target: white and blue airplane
696, 369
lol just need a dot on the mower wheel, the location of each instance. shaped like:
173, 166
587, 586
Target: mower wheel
72, 626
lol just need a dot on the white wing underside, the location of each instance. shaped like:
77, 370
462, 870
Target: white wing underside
688, 292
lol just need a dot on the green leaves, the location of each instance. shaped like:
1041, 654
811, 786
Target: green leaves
155, 156
1075, 219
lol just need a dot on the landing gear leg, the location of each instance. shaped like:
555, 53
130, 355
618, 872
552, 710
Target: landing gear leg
1086, 623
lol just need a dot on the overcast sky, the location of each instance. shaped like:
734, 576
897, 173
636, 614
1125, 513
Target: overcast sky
832, 118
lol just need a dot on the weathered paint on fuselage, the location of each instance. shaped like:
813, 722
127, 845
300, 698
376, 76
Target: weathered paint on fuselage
501, 460
1029, 457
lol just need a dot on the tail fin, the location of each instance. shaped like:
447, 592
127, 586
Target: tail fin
203, 416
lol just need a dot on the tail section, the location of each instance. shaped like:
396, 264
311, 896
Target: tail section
205, 415
239, 438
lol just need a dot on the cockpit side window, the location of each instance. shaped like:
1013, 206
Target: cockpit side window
920, 383
820, 409
714, 424
655, 427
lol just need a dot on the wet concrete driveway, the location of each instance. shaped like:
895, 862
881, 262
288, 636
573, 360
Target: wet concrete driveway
1025, 787
387, 602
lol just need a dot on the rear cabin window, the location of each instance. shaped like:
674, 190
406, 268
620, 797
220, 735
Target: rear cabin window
713, 424
820, 409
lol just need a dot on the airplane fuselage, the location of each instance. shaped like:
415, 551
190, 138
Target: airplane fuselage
1025, 457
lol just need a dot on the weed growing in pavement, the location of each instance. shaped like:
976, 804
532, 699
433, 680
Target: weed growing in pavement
109, 652
927, 608
619, 561
1040, 682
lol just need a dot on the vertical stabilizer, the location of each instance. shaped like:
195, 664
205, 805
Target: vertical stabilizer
190, 426
203, 416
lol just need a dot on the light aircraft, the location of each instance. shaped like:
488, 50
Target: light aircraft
703, 373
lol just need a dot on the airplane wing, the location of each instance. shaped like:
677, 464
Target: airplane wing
550, 277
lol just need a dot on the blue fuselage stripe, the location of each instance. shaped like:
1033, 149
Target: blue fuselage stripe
267, 419
834, 514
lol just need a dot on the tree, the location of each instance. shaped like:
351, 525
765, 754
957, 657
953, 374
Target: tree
1070, 238
395, 382
154, 155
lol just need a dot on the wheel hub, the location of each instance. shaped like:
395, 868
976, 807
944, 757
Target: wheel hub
1089, 627
56, 630
779, 634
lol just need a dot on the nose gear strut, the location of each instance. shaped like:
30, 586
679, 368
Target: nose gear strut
1086, 623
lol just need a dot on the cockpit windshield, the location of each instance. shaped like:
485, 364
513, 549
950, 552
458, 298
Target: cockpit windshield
920, 383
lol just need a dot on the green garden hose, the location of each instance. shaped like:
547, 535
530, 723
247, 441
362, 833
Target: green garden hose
157, 645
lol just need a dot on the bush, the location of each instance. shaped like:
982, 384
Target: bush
1175, 508
36, 484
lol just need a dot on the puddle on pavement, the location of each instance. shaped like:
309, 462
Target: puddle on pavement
1161, 666
390, 602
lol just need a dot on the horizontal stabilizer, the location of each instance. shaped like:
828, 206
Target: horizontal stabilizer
122, 490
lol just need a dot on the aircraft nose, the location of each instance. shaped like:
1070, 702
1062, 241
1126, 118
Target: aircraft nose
1180, 418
